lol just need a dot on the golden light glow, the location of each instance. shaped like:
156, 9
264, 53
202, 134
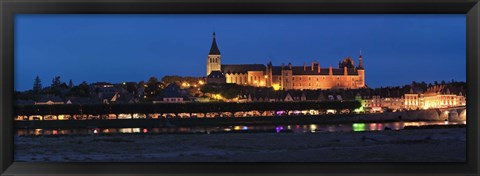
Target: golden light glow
276, 87
185, 84
217, 96
201, 82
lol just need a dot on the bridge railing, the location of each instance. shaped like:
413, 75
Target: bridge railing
65, 109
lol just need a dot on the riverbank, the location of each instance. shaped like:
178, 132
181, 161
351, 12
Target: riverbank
414, 145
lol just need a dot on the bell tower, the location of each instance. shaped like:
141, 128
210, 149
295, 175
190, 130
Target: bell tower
213, 59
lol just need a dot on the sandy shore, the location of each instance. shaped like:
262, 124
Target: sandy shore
419, 145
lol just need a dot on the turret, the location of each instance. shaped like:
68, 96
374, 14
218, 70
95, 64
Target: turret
361, 72
360, 61
318, 67
269, 74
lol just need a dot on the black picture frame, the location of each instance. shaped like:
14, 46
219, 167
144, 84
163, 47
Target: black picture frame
9, 8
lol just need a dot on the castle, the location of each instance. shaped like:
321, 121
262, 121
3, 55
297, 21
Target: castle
285, 77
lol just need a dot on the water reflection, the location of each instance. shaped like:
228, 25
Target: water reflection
312, 128
358, 127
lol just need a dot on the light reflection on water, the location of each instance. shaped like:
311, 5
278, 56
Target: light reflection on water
312, 128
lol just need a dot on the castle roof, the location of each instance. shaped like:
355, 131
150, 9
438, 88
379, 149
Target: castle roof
300, 70
214, 49
242, 68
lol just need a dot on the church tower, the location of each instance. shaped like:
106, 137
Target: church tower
213, 59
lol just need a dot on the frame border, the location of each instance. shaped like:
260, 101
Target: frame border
9, 8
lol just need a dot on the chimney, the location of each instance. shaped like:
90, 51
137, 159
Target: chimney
304, 66
318, 67
313, 64
330, 72
290, 65
283, 65
345, 70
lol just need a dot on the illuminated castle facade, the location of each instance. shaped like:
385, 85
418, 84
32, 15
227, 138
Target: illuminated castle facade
286, 77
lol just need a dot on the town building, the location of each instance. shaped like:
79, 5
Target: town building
49, 100
172, 94
435, 97
288, 77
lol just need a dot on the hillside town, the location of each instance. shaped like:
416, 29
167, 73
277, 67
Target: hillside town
176, 89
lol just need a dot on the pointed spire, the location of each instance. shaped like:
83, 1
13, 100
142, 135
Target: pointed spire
360, 61
214, 49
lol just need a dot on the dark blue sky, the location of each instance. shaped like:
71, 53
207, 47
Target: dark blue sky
397, 49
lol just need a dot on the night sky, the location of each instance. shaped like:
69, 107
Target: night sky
397, 49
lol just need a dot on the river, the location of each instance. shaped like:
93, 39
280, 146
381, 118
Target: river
312, 128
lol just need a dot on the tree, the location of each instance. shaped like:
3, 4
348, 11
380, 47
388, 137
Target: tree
414, 83
56, 82
131, 87
70, 84
152, 88
82, 90
37, 85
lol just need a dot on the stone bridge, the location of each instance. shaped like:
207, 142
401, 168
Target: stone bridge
453, 113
